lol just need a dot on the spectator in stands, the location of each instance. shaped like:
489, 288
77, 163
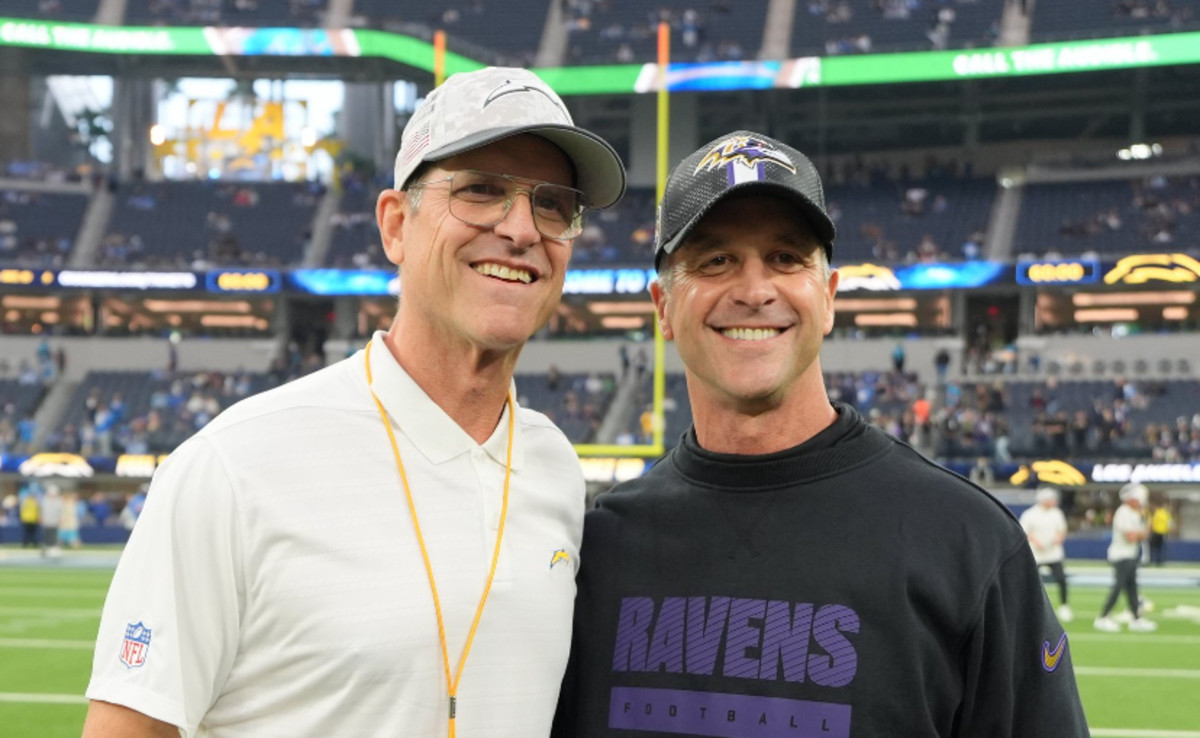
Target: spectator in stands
769, 465
492, 179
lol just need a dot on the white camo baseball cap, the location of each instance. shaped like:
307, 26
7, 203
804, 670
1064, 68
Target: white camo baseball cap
473, 109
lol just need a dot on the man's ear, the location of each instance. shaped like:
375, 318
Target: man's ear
391, 209
661, 309
829, 308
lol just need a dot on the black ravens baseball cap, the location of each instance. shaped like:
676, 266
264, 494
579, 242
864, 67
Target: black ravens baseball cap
739, 162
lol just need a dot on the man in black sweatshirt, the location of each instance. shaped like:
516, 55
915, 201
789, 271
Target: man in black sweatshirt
788, 569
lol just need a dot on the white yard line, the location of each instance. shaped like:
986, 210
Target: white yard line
1120, 672
44, 699
47, 643
53, 591
53, 612
1178, 640
1136, 733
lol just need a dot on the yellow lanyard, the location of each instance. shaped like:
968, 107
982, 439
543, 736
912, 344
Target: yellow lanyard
451, 684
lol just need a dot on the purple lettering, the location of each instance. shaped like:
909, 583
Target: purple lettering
785, 639
704, 631
839, 668
666, 647
744, 638
633, 634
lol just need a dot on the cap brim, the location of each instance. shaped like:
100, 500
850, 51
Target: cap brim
598, 170
820, 223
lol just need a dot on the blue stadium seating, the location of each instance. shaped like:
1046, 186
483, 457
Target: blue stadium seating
1112, 217
1057, 20
627, 32
39, 228
226, 223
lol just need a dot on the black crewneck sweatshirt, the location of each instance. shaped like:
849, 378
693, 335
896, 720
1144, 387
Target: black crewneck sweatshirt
843, 587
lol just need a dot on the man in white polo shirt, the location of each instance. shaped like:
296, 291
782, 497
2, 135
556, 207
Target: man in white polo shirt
386, 547
1124, 553
1046, 527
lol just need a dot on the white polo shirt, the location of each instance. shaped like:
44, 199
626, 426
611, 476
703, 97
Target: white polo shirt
274, 586
1125, 520
1045, 525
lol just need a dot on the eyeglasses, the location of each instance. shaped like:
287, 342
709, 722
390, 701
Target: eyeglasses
483, 199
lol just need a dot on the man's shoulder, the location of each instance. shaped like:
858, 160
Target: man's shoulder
331, 389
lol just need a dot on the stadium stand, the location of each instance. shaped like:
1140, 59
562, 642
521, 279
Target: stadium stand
622, 233
19, 399
576, 402
830, 27
148, 412
178, 224
38, 229
933, 219
355, 242
617, 32
1056, 20
509, 29
225, 12
1110, 216
62, 10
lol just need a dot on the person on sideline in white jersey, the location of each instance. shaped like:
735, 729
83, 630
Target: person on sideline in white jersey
1046, 527
1124, 553
388, 546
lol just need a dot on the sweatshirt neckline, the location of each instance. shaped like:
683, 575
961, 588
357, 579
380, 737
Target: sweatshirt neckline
848, 440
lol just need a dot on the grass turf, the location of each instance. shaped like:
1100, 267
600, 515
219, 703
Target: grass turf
1144, 683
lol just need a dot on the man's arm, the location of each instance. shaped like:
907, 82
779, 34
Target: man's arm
106, 720
1019, 678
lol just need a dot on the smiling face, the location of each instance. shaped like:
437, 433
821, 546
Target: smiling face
747, 302
471, 288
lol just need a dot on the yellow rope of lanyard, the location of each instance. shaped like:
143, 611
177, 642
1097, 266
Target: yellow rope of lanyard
451, 684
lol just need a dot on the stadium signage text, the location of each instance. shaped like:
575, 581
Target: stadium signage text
607, 281
1142, 473
1074, 271
265, 281
127, 280
1045, 60
16, 276
85, 38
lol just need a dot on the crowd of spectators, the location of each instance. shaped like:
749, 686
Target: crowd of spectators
999, 421
36, 250
899, 216
597, 35
890, 25
163, 207
576, 402
168, 407
301, 13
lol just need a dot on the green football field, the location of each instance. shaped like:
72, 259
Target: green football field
1134, 685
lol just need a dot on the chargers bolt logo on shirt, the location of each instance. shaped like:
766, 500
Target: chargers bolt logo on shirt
1051, 659
136, 644
745, 158
558, 556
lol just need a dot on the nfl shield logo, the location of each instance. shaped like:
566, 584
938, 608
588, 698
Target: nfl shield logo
136, 644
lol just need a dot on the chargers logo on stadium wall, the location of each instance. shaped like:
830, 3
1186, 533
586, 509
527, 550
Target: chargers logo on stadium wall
136, 645
745, 158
